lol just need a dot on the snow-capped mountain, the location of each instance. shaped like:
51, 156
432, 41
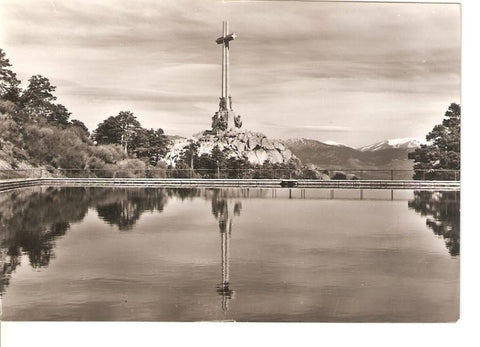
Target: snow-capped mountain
333, 143
305, 141
388, 154
404, 143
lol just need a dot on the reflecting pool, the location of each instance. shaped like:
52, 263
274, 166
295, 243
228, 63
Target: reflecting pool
151, 254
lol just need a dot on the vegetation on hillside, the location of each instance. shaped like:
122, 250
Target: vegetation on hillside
37, 130
440, 158
126, 131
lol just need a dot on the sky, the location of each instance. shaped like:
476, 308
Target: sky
354, 73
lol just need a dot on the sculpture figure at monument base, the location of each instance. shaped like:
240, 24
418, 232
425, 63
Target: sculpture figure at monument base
220, 120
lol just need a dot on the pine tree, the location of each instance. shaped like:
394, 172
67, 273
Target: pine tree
120, 129
440, 158
9, 84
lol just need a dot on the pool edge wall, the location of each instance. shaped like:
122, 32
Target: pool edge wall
228, 183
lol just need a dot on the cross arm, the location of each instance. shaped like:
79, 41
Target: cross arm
227, 38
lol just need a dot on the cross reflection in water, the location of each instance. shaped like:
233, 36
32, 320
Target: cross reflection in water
220, 209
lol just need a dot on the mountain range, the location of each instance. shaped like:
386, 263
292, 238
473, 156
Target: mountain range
403, 143
389, 154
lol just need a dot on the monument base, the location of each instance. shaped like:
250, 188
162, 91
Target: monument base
225, 118
237, 143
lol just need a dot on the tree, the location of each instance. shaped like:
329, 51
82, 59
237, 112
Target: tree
77, 124
9, 84
59, 115
219, 156
129, 126
120, 130
108, 132
37, 100
125, 130
141, 143
238, 168
37, 104
442, 153
190, 155
157, 145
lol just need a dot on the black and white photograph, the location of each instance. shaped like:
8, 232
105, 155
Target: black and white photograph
230, 161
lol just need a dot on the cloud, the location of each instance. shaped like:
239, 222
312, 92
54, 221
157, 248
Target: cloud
340, 64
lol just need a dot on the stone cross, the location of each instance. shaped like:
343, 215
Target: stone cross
225, 42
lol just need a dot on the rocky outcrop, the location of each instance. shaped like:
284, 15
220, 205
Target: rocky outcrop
255, 147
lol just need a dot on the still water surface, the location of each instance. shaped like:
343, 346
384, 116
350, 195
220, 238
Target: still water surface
149, 254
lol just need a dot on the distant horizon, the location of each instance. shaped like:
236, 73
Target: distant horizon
364, 73
327, 142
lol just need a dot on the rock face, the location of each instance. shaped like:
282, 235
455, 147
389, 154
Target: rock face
255, 147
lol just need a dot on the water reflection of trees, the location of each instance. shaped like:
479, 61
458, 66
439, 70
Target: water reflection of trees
443, 215
124, 206
31, 220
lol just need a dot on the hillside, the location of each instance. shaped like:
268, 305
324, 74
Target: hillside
324, 155
10, 166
